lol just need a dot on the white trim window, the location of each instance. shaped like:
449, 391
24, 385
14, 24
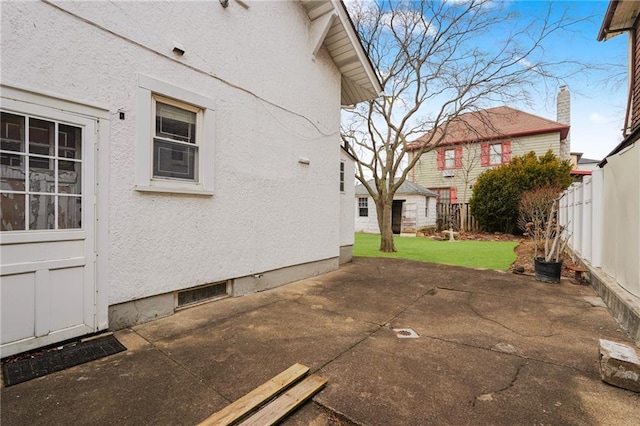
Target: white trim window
175, 139
450, 159
342, 176
363, 207
495, 154
175, 142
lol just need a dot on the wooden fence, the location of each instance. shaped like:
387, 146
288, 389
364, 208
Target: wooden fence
450, 215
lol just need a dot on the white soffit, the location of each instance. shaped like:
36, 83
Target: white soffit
619, 18
359, 80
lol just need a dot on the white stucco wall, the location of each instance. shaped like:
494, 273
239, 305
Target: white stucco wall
621, 235
274, 102
369, 223
347, 223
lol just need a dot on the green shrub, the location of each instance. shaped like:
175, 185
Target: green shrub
497, 192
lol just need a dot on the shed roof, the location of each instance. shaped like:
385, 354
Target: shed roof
407, 188
334, 27
495, 123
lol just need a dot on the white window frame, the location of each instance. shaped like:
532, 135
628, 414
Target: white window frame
198, 135
342, 170
150, 90
449, 159
363, 203
493, 152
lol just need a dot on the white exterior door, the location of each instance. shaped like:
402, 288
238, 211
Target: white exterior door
47, 229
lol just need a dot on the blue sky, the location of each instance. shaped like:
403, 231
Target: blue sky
597, 104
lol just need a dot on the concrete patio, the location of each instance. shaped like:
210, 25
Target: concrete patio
494, 348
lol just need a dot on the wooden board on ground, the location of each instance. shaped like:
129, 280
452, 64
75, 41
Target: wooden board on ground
256, 397
287, 402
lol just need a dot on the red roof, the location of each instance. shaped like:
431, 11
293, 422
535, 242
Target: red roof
581, 172
495, 123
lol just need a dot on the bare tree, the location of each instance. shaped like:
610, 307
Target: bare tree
437, 60
470, 160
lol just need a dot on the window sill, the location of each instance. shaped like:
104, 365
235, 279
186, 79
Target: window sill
168, 189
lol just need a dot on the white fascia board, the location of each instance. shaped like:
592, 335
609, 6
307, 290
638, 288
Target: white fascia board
355, 42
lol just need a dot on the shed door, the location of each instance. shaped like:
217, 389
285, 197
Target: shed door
396, 216
47, 250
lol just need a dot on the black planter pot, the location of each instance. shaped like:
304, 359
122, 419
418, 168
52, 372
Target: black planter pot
548, 272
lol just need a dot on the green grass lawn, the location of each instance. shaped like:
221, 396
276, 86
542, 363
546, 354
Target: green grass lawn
476, 254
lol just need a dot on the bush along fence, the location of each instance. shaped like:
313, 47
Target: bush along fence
451, 215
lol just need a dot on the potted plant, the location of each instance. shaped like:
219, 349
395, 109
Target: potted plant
539, 217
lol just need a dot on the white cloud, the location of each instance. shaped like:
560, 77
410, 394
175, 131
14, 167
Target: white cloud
526, 63
598, 118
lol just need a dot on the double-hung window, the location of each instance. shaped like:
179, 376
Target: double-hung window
449, 158
176, 139
495, 154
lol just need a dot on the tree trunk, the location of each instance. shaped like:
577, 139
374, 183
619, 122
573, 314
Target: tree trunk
387, 243
463, 208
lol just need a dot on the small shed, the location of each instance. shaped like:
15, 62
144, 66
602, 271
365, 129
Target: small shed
414, 208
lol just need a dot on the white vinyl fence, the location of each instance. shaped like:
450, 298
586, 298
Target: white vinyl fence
581, 212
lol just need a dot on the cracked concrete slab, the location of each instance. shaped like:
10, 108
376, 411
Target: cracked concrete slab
239, 354
551, 332
136, 387
493, 349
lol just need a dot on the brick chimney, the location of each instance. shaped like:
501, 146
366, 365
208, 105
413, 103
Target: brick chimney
564, 117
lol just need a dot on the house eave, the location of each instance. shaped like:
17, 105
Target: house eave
626, 142
619, 18
359, 81
563, 130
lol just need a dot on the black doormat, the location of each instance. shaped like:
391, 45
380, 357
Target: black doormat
26, 367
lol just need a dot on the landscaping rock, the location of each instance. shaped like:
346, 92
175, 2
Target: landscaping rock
517, 269
619, 365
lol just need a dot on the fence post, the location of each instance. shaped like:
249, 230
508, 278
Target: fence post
597, 218
570, 198
577, 218
587, 195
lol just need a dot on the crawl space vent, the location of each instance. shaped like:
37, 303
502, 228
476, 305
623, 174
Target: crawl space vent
202, 294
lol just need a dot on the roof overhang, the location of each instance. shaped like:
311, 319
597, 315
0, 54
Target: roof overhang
331, 26
580, 172
620, 17
563, 130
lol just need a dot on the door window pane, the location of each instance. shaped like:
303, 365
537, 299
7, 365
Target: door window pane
12, 132
69, 142
41, 137
12, 177
12, 213
42, 212
69, 177
69, 212
41, 175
